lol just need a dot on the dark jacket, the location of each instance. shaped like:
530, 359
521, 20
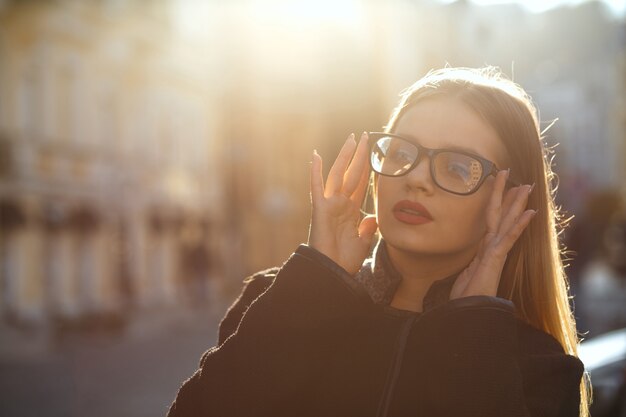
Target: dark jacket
304, 341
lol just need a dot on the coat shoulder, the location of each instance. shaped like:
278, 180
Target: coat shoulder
536, 341
253, 286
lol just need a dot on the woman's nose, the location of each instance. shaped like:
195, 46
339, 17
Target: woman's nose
419, 177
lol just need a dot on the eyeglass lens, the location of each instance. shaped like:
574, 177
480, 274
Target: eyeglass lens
452, 171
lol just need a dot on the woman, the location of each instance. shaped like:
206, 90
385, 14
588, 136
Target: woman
461, 310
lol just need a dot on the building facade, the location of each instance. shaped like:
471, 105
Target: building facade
106, 143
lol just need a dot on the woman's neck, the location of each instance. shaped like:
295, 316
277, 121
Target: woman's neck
418, 273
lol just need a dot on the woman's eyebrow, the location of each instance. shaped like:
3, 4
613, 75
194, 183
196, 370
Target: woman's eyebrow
459, 148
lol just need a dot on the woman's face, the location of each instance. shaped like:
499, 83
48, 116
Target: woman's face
457, 222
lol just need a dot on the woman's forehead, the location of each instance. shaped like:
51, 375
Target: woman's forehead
444, 122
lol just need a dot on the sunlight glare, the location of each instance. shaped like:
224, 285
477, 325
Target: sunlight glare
309, 12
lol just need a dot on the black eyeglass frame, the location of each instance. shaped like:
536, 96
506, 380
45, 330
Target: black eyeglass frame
488, 167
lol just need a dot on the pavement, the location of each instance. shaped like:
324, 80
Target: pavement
132, 373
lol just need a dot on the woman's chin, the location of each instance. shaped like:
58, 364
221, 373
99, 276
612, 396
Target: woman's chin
436, 247
409, 242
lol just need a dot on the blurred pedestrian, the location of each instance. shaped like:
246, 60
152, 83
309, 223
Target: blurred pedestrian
602, 299
199, 286
585, 240
461, 309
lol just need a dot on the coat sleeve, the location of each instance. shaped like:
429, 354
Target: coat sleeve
483, 361
280, 344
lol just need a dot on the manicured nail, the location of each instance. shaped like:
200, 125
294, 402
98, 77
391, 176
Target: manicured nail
530, 190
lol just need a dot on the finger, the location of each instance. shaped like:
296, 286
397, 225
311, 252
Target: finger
509, 198
495, 202
317, 180
335, 175
354, 173
358, 195
507, 204
510, 217
509, 239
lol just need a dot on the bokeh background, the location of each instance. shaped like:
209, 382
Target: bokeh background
154, 153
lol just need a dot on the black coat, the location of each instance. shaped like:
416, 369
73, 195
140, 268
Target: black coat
310, 344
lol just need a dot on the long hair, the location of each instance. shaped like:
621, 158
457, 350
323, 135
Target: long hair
533, 277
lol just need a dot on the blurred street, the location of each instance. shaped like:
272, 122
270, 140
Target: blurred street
134, 374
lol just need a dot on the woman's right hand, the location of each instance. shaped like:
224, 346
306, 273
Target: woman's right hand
336, 228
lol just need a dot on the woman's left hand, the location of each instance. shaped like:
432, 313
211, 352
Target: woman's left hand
506, 220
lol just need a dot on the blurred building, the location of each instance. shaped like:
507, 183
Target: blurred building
135, 136
106, 143
571, 61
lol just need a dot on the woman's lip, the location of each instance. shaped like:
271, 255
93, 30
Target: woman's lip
411, 212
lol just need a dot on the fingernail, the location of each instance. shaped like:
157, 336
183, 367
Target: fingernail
530, 190
363, 135
315, 152
351, 137
534, 213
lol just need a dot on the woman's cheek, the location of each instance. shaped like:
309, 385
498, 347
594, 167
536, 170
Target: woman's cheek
464, 222
477, 224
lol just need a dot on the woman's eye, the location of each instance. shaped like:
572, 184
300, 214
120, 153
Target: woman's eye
459, 170
401, 156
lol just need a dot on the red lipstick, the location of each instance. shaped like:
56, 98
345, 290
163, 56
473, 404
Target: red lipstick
411, 212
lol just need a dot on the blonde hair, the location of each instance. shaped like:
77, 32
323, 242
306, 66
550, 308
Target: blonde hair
533, 276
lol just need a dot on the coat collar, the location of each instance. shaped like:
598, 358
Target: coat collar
380, 279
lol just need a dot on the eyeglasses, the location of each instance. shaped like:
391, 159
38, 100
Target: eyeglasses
457, 172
